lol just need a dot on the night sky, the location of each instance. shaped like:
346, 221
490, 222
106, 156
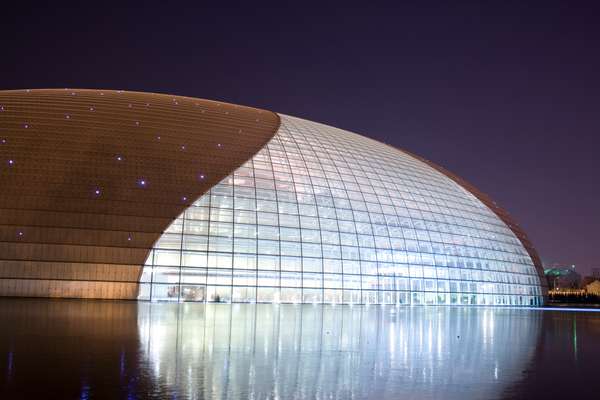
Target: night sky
506, 96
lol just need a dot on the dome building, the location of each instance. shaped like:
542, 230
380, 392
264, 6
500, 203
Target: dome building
132, 195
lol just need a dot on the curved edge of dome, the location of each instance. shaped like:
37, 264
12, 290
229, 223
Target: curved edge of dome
501, 213
459, 184
206, 190
95, 176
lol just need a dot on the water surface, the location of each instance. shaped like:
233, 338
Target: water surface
76, 349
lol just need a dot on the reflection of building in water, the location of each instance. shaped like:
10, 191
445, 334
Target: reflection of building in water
306, 351
69, 349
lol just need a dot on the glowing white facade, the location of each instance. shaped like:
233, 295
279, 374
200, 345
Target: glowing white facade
322, 215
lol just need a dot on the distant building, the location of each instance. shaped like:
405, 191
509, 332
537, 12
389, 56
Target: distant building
562, 277
596, 273
593, 288
587, 280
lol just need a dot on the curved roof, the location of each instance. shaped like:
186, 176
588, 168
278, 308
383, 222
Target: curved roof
325, 215
91, 178
499, 211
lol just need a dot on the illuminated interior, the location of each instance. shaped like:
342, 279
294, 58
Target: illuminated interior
322, 215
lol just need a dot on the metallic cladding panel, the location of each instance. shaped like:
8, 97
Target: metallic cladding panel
89, 179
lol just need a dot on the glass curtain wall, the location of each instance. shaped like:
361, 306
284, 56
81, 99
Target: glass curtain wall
321, 215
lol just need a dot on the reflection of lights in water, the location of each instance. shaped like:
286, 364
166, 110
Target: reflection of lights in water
9, 365
85, 391
392, 340
440, 336
575, 337
307, 351
122, 363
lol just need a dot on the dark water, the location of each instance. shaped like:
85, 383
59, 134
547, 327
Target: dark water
71, 349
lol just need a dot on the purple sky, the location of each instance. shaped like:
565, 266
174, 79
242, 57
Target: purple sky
506, 96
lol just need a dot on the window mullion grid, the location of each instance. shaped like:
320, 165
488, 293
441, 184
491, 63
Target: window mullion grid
268, 151
180, 256
318, 219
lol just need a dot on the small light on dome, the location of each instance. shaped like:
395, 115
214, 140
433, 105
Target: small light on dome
11, 162
26, 126
137, 123
201, 177
97, 192
142, 182
184, 198
129, 238
91, 108
20, 233
3, 141
67, 116
119, 158
182, 148
219, 145
158, 138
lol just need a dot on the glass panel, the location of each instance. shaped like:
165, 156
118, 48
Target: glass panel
346, 218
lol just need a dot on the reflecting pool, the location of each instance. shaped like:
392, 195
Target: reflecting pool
90, 349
